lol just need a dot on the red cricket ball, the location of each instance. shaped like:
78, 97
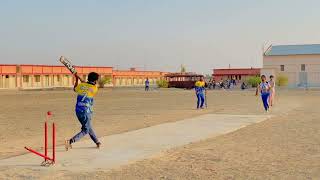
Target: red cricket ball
49, 113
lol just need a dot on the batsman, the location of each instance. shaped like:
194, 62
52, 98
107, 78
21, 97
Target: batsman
85, 93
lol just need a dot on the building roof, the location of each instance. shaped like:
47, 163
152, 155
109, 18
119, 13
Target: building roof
188, 74
284, 50
236, 71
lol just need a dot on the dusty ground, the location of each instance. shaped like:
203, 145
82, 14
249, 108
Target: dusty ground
284, 147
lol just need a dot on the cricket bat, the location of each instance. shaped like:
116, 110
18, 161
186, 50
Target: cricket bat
68, 64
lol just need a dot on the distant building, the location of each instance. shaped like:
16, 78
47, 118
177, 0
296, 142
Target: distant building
240, 74
299, 63
134, 77
47, 76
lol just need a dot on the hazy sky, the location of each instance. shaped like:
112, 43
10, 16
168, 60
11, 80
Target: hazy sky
153, 34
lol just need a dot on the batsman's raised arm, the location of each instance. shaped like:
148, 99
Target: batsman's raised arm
77, 81
78, 77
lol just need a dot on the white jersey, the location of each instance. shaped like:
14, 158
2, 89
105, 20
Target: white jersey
272, 84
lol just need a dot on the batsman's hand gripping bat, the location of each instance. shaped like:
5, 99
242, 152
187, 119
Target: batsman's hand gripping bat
68, 64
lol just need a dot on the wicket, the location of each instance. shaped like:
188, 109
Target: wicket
47, 160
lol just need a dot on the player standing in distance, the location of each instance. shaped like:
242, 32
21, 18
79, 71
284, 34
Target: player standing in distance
272, 84
86, 91
147, 85
264, 89
199, 89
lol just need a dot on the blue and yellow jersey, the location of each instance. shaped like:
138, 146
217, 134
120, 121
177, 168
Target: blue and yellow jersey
200, 86
264, 87
85, 92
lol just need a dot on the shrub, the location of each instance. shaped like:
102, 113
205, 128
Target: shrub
104, 81
254, 81
162, 83
282, 80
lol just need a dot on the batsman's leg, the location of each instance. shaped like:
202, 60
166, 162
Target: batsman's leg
92, 134
202, 99
84, 130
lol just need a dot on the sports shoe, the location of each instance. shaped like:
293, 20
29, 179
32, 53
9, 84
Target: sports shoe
67, 145
98, 145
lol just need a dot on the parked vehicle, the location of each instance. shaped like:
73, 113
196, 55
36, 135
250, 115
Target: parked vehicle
182, 80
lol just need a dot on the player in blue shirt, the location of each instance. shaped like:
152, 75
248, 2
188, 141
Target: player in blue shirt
199, 89
264, 89
86, 91
147, 85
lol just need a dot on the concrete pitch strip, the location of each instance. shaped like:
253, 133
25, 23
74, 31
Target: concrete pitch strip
122, 149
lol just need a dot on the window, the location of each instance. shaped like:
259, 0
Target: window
37, 78
25, 78
58, 78
281, 67
303, 67
7, 76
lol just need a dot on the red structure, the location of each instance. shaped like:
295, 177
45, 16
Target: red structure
239, 74
47, 160
182, 80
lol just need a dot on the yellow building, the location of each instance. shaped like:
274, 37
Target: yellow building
133, 77
45, 76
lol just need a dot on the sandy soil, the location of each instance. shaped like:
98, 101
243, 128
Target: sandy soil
284, 147
116, 111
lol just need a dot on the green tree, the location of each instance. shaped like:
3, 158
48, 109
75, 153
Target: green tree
162, 83
103, 81
208, 76
253, 81
282, 80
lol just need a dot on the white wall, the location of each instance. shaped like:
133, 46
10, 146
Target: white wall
292, 68
8, 81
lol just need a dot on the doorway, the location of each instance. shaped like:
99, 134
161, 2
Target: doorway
303, 79
47, 81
